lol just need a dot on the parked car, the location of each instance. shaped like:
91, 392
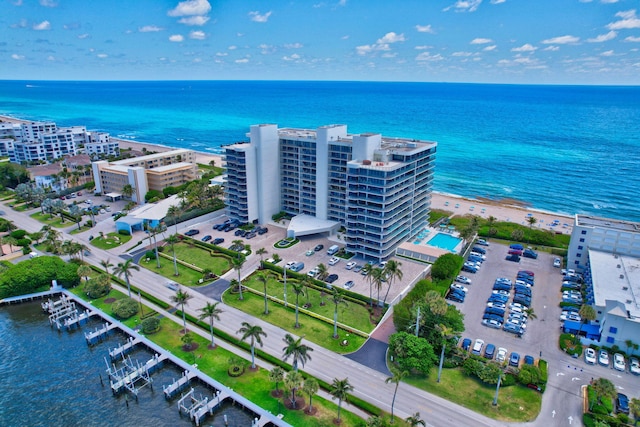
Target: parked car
489, 351
511, 328
331, 278
218, 240
192, 232
350, 265
477, 347
482, 242
514, 360
501, 356
479, 250
469, 269
634, 366
622, 403
619, 363
515, 252
459, 287
318, 248
603, 358
312, 272
357, 268
206, 238
530, 253
466, 343
349, 284
310, 252
513, 258
590, 356
455, 296
334, 261
463, 279
492, 323
557, 263
499, 305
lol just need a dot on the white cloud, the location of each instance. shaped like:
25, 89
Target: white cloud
197, 35
48, 3
241, 61
423, 47
490, 48
629, 20
391, 38
102, 55
461, 54
524, 48
480, 40
497, 1
551, 48
176, 38
293, 57
256, 17
83, 36
344, 38
190, 7
222, 54
149, 29
44, 25
17, 57
603, 37
426, 56
424, 29
607, 53
464, 6
294, 46
194, 20
609, 1
232, 47
562, 40
632, 39
51, 58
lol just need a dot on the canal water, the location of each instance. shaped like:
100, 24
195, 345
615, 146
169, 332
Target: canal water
52, 378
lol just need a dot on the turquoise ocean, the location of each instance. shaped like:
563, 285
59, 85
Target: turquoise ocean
566, 149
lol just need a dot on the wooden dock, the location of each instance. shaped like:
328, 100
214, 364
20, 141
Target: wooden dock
99, 333
176, 386
124, 348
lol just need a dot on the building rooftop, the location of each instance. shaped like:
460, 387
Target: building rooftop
613, 224
162, 155
45, 170
616, 278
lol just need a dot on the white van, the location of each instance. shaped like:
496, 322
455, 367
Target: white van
333, 249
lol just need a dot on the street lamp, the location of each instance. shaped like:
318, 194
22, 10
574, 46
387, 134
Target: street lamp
495, 398
285, 287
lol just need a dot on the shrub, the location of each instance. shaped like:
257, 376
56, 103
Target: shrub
570, 344
96, 289
150, 325
124, 308
18, 234
529, 375
508, 380
26, 250
124, 232
150, 255
472, 367
24, 242
542, 365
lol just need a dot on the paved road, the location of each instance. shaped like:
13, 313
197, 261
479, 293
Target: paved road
565, 377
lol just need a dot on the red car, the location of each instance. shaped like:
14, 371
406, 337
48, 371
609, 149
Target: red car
515, 252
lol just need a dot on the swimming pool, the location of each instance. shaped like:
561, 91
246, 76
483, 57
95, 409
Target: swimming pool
444, 241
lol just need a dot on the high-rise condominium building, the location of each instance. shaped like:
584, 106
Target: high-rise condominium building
373, 190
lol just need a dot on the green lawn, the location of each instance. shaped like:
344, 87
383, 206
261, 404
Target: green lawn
356, 315
82, 228
110, 241
54, 222
314, 330
21, 207
187, 277
515, 403
200, 258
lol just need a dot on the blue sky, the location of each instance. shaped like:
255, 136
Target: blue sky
493, 41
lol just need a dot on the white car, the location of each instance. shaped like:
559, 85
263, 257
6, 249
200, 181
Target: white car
503, 293
290, 264
477, 346
501, 356
334, 261
459, 287
172, 286
571, 316
499, 305
350, 265
463, 279
556, 262
312, 273
634, 366
503, 280
517, 305
482, 242
590, 356
603, 358
618, 362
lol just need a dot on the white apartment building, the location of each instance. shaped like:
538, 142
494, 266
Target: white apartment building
375, 190
101, 144
152, 172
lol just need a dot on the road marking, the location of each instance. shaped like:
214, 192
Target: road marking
575, 379
621, 388
553, 413
558, 374
570, 419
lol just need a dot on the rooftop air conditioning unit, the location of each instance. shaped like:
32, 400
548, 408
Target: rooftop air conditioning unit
622, 276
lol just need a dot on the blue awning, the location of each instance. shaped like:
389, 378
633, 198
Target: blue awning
590, 331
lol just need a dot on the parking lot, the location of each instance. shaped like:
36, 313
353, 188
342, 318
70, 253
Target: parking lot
298, 253
545, 298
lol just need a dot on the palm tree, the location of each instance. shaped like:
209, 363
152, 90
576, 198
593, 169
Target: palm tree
310, 387
255, 333
297, 350
366, 268
211, 311
172, 240
174, 212
531, 315
298, 289
127, 190
377, 274
276, 375
323, 271
447, 333
125, 269
437, 305
587, 313
415, 420
491, 221
629, 344
292, 381
264, 279
340, 390
396, 377
634, 407
261, 252
337, 298
532, 221
11, 241
106, 264
604, 389
392, 271
237, 264
84, 271
181, 297
153, 232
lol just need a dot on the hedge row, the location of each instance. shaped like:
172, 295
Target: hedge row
210, 247
179, 261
